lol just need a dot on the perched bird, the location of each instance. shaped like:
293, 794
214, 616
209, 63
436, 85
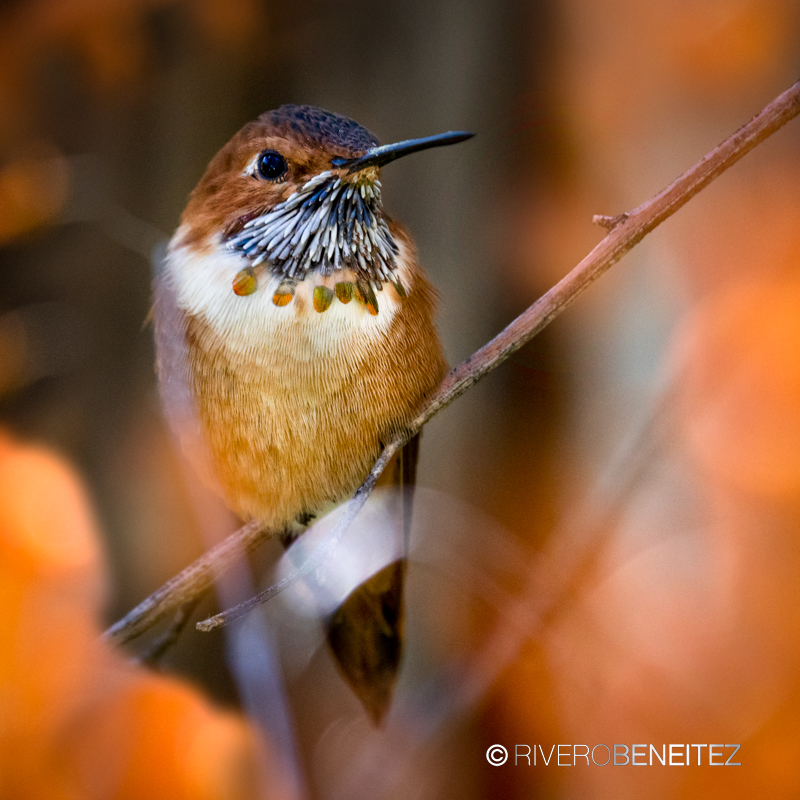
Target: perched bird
294, 323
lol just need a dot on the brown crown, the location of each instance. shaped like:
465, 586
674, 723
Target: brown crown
306, 136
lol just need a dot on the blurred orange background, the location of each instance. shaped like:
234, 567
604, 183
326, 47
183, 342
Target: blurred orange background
607, 539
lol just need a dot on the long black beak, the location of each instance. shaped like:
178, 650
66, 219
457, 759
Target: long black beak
379, 156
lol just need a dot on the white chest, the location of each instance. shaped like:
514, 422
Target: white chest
255, 326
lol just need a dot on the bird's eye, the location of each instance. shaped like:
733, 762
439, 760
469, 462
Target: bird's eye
271, 165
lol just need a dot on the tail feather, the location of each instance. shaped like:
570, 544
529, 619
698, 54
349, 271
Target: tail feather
366, 632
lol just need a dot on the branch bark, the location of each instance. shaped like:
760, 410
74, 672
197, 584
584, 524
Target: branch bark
625, 232
152, 655
188, 585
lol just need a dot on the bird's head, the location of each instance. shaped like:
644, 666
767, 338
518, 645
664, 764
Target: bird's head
297, 192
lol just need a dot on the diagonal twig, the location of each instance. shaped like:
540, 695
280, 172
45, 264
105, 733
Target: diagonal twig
625, 231
192, 583
152, 655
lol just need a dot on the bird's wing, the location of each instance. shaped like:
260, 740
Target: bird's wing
174, 379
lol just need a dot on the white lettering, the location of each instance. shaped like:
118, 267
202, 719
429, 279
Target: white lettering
699, 753
547, 760
517, 753
637, 755
730, 763
576, 754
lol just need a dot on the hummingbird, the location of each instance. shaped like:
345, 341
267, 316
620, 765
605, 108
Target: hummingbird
295, 334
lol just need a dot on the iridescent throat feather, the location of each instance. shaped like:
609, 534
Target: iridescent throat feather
327, 225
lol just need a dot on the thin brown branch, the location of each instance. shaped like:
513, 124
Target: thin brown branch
192, 583
608, 222
156, 650
623, 236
